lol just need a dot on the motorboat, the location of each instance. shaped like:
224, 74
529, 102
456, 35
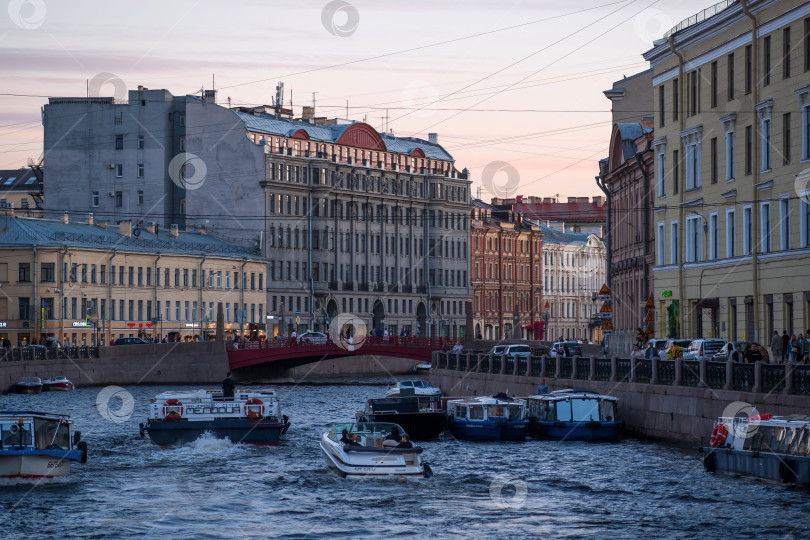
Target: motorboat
419, 387
373, 452
764, 446
573, 415
423, 417
38, 446
252, 417
57, 384
27, 385
496, 418
422, 368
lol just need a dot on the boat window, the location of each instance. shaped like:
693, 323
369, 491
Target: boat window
13, 435
564, 411
546, 411
795, 443
790, 434
778, 440
406, 384
515, 412
765, 443
752, 438
48, 432
477, 412
495, 411
607, 410
584, 410
804, 448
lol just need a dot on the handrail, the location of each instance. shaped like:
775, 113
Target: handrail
700, 16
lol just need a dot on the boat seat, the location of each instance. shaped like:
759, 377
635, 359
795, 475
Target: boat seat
389, 443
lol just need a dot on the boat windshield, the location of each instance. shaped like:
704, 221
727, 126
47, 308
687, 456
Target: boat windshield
51, 432
406, 384
584, 410
422, 384
607, 410
13, 434
374, 429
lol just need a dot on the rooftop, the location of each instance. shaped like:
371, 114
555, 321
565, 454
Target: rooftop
20, 180
574, 210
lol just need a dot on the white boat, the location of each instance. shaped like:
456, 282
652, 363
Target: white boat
413, 387
422, 368
180, 417
38, 446
373, 455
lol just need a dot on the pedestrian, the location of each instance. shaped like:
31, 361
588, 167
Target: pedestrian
385, 334
794, 347
803, 347
776, 347
736, 354
649, 353
228, 386
637, 353
542, 388
785, 346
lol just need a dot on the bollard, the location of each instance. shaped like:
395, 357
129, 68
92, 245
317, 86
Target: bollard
729, 375
574, 374
678, 372
592, 375
543, 373
558, 368
614, 371
758, 377
654, 370
789, 377
702, 382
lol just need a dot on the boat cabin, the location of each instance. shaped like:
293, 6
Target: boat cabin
37, 430
779, 435
485, 409
573, 406
371, 434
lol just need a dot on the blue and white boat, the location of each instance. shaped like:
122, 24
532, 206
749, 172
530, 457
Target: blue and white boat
496, 418
252, 417
38, 446
574, 415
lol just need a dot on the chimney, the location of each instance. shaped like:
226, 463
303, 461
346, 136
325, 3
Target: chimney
89, 218
582, 200
175, 230
433, 138
308, 114
66, 217
151, 227
572, 200
102, 224
202, 229
519, 199
597, 200
125, 228
210, 96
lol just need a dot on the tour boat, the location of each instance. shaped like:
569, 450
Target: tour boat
496, 418
422, 368
764, 446
27, 385
57, 384
573, 415
419, 387
423, 417
252, 417
37, 445
373, 455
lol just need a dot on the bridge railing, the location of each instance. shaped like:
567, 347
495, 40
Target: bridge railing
17, 354
358, 344
759, 377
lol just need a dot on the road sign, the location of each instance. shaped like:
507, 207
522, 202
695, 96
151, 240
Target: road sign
604, 293
297, 312
650, 330
607, 325
94, 318
650, 304
650, 317
297, 320
605, 312
547, 305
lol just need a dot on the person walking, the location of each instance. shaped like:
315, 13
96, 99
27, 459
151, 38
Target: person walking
736, 355
785, 346
776, 347
794, 347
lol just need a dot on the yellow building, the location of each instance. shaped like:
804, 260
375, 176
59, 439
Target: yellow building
732, 164
58, 277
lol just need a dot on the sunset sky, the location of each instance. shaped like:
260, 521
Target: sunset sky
513, 81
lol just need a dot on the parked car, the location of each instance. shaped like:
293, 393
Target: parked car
658, 344
558, 349
675, 347
313, 338
723, 353
130, 341
703, 349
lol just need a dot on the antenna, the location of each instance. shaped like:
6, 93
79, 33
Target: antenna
347, 109
313, 101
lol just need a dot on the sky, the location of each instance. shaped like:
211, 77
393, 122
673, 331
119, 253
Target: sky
512, 88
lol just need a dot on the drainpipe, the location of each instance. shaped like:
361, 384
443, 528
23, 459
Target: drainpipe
62, 288
646, 218
154, 281
109, 289
600, 181
37, 307
682, 121
756, 167
242, 299
427, 270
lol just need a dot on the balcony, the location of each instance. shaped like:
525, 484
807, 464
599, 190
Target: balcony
348, 286
392, 288
421, 289
333, 285
407, 289
362, 287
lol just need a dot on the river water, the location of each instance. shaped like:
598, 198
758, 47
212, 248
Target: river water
211, 488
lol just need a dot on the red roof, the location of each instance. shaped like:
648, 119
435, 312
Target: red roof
558, 211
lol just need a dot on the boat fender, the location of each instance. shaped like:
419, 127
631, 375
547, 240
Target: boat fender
170, 409
428, 472
708, 462
83, 447
250, 408
787, 472
77, 436
719, 436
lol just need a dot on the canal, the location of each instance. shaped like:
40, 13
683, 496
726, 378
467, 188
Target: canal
212, 488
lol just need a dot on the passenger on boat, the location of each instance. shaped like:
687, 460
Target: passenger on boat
228, 386
405, 442
393, 439
347, 439
542, 388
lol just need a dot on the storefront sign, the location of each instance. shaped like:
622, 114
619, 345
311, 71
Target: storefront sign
2, 325
192, 325
80, 323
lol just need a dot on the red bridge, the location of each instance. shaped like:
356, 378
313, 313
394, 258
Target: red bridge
288, 353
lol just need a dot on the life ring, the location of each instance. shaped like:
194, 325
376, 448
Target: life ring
172, 409
250, 406
719, 436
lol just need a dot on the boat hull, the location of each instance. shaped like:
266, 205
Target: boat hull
489, 431
420, 426
788, 469
37, 464
370, 465
576, 431
57, 387
26, 389
174, 433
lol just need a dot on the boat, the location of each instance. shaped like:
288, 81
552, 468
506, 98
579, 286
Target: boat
57, 384
252, 417
496, 418
373, 455
419, 387
423, 417
38, 445
770, 447
573, 415
27, 385
422, 368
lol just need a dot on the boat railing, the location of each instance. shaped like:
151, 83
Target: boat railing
758, 377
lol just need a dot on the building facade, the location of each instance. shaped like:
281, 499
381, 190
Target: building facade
577, 214
573, 272
150, 283
351, 220
506, 270
21, 190
732, 151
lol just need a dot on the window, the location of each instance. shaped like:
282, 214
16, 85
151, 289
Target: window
673, 242
764, 113
119, 170
694, 239
48, 272
730, 81
731, 233
766, 60
748, 232
693, 93
765, 227
119, 142
804, 100
93, 275
675, 99
119, 199
749, 70
807, 44
714, 159
692, 143
661, 106
140, 142
714, 237
714, 84
24, 272
661, 151
660, 243
784, 222
140, 170
94, 199
786, 138
749, 151
729, 122
786, 53
804, 218
140, 197
676, 176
